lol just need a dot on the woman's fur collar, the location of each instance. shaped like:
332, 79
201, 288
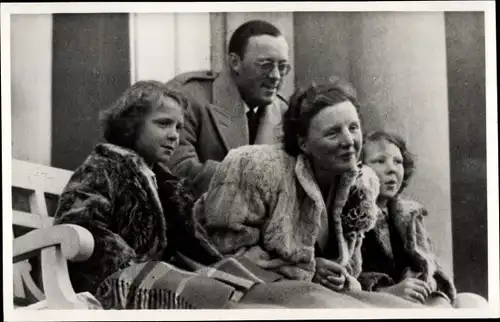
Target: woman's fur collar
359, 188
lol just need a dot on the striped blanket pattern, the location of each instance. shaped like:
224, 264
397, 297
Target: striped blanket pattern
161, 285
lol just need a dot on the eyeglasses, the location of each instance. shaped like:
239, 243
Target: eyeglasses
267, 67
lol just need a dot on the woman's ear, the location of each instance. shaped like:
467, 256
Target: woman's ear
303, 144
234, 63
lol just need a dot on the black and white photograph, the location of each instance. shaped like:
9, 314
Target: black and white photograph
249, 160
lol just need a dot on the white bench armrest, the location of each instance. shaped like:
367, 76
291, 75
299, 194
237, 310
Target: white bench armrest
58, 244
77, 243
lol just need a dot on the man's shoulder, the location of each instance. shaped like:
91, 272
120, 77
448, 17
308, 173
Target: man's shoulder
196, 76
196, 85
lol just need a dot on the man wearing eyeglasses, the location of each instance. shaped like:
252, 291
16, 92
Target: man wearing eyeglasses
238, 106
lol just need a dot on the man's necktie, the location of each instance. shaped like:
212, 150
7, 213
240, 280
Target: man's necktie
253, 124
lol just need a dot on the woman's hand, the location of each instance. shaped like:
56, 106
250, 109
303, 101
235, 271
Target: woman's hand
411, 289
352, 284
329, 274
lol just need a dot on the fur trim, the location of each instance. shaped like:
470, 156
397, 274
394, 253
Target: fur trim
111, 196
185, 233
414, 258
262, 197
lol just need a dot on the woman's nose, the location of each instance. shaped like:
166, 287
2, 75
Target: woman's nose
347, 139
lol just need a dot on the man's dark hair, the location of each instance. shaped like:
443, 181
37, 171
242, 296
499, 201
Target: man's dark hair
239, 39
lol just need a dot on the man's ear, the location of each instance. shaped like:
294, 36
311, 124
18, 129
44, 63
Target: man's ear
234, 62
303, 144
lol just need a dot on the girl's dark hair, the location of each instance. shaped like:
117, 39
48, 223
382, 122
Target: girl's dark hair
408, 157
306, 103
122, 120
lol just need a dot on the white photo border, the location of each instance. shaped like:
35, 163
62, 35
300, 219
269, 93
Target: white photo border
488, 7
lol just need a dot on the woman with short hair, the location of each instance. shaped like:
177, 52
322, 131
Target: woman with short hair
299, 211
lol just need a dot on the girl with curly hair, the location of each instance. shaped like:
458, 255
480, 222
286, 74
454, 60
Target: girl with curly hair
139, 213
397, 254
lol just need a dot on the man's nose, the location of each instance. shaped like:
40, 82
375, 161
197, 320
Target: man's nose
275, 73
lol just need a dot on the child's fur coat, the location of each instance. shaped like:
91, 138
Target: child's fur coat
409, 254
111, 196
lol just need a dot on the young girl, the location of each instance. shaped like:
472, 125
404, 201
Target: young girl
397, 253
140, 214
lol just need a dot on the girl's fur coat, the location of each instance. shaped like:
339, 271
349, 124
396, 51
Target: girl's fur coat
407, 252
111, 196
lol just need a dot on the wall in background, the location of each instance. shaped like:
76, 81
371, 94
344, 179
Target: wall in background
31, 79
163, 45
467, 106
83, 63
326, 36
404, 89
91, 68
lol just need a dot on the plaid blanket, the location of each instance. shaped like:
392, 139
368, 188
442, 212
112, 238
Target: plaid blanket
161, 285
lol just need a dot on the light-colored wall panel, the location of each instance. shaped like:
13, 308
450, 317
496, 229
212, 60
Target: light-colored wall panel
398, 64
31, 80
325, 37
218, 42
152, 46
192, 42
166, 44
